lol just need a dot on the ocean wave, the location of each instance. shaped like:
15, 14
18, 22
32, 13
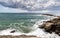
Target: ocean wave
38, 32
28, 27
24, 25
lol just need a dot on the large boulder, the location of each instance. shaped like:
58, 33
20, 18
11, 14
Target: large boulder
52, 26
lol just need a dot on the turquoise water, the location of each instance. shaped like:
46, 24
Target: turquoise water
20, 21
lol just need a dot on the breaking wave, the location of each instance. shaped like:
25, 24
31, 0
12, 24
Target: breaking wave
24, 24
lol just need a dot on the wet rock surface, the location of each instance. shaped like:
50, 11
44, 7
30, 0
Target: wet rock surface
13, 31
52, 26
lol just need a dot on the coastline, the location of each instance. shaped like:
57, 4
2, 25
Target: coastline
52, 25
27, 36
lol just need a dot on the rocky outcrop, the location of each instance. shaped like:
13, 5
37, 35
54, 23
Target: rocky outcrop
52, 26
49, 14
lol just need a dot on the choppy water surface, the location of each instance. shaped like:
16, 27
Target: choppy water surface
22, 22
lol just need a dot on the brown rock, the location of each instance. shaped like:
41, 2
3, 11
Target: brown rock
52, 26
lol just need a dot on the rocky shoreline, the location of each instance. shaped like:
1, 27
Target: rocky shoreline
50, 26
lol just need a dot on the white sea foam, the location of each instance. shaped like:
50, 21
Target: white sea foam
38, 32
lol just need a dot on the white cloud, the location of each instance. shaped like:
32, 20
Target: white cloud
11, 10
27, 4
57, 4
30, 5
50, 3
43, 11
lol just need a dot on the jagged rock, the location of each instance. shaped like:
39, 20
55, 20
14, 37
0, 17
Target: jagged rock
52, 26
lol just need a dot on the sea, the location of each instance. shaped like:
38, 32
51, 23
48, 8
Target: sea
22, 23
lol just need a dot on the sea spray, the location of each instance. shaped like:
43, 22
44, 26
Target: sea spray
28, 23
23, 24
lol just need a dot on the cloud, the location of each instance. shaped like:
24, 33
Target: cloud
32, 5
10, 10
43, 11
49, 3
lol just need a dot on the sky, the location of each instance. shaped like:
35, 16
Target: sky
39, 6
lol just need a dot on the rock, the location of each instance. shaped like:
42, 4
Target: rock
52, 26
49, 15
12, 31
